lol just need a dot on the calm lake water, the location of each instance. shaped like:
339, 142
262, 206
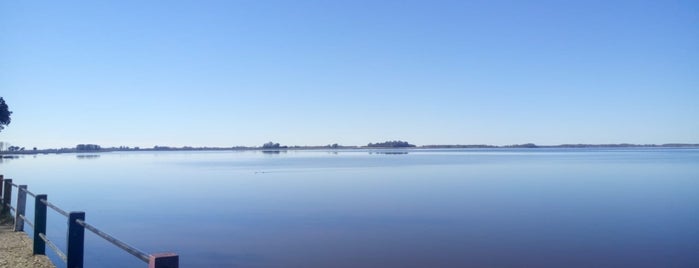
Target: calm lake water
412, 208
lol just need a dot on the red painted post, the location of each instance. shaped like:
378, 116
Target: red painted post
164, 260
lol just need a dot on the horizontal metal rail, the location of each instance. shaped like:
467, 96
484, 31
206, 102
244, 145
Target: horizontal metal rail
57, 209
54, 247
15, 185
132, 250
27, 221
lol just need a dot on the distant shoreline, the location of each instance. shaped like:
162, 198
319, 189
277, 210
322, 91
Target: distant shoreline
242, 148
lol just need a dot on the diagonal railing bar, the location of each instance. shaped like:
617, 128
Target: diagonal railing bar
54, 247
130, 249
23, 190
28, 192
27, 221
54, 207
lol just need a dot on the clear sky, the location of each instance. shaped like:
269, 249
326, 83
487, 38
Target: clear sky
225, 73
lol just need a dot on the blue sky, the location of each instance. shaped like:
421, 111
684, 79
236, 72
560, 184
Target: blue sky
225, 73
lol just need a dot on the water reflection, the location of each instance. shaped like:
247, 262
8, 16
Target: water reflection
273, 152
389, 152
5, 158
87, 156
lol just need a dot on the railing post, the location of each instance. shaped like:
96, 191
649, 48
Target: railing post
21, 207
164, 260
76, 240
7, 195
39, 224
2, 179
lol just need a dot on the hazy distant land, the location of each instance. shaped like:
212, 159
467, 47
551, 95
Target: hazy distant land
80, 148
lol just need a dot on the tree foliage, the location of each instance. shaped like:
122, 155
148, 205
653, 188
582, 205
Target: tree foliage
272, 145
15, 148
88, 147
391, 144
4, 114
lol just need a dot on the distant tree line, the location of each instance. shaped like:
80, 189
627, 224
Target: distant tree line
88, 147
272, 145
391, 144
15, 148
526, 145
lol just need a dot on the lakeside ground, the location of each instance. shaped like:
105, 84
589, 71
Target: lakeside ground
16, 248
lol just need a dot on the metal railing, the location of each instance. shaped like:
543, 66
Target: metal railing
74, 255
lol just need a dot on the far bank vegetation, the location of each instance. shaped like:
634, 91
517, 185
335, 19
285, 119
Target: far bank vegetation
391, 144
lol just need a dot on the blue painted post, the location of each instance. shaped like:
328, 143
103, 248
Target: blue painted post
2, 178
76, 240
7, 195
164, 260
39, 224
21, 207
